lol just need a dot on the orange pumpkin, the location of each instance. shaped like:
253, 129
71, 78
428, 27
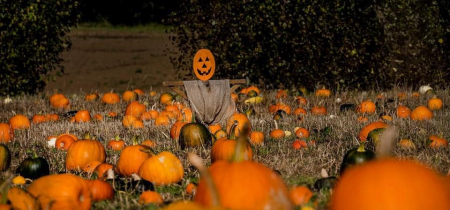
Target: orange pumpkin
162, 120
372, 126
318, 110
19, 121
242, 120
421, 113
185, 115
83, 116
301, 100
61, 191
215, 128
52, 117
82, 152
235, 97
300, 195
63, 142
224, 148
435, 103
100, 190
135, 109
363, 119
98, 117
390, 184
131, 158
204, 64
300, 111
150, 197
6, 133
39, 119
257, 138
129, 95
176, 129
298, 144
166, 98
91, 97
238, 187
164, 168
403, 111
302, 133
281, 94
101, 169
110, 98
323, 93
59, 101
276, 133
116, 144
190, 188
366, 107
90, 167
128, 121
21, 199
139, 92
436, 142
149, 143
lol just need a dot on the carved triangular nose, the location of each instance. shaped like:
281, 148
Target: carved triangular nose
204, 66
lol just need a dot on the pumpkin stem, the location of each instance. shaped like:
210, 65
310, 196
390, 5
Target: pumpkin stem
135, 140
361, 147
117, 138
232, 134
87, 135
147, 150
197, 162
4, 187
241, 144
276, 124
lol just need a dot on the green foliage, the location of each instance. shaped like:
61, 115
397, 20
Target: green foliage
32, 37
341, 44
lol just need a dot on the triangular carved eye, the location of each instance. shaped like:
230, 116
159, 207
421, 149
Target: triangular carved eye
200, 60
207, 59
204, 66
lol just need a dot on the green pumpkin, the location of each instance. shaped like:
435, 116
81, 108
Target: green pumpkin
5, 157
252, 93
356, 156
34, 167
194, 135
375, 135
347, 107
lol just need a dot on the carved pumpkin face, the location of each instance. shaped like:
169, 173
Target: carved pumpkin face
204, 64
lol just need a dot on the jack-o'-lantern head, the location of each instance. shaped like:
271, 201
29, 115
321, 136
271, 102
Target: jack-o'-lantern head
204, 64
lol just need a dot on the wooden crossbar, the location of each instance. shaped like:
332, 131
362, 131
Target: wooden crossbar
173, 85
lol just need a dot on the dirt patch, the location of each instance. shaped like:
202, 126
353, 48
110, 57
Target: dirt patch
119, 60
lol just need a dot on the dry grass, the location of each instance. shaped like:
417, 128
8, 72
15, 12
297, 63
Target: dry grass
298, 167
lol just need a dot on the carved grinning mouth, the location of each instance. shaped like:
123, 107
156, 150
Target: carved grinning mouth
204, 73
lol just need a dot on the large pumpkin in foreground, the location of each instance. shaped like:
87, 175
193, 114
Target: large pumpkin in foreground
244, 185
61, 191
390, 184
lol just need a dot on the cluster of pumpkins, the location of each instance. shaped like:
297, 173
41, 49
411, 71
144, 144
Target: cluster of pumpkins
234, 180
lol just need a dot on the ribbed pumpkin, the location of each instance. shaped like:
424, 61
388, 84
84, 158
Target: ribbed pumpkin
131, 158
356, 156
38, 118
164, 168
61, 191
319, 110
19, 121
59, 101
166, 98
33, 167
135, 109
257, 138
116, 144
100, 190
244, 185
362, 136
6, 133
21, 199
421, 113
194, 135
276, 133
390, 184
83, 152
436, 141
224, 149
243, 121
91, 97
323, 93
101, 169
110, 98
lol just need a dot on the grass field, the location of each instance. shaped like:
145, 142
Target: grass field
297, 167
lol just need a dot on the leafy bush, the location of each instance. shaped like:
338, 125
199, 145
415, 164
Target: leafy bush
32, 37
341, 44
